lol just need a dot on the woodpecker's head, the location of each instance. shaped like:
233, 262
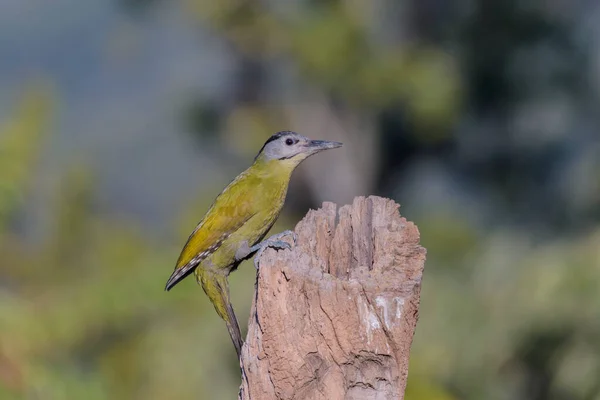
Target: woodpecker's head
292, 147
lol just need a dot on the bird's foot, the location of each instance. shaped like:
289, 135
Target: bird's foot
274, 242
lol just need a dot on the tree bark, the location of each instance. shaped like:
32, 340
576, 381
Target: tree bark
334, 317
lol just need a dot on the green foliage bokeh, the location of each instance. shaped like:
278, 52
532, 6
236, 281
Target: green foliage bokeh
83, 314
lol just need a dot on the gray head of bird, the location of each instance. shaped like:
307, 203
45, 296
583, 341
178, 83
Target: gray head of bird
288, 145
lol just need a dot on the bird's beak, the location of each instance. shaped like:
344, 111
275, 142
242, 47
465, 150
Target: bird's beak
315, 146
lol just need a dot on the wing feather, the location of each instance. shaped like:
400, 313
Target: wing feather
229, 212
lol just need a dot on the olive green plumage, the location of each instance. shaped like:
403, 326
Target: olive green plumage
239, 218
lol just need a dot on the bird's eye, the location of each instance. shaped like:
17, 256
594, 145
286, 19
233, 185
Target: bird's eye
289, 142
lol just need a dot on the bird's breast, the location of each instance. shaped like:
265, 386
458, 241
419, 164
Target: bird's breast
266, 200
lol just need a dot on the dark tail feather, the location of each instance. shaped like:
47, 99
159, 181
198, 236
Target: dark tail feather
216, 288
180, 273
234, 330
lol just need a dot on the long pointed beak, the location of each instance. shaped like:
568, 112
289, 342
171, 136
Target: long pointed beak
318, 145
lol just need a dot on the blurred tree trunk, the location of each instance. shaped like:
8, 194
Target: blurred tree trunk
334, 318
340, 175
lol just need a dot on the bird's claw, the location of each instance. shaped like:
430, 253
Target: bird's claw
278, 236
274, 242
294, 236
280, 244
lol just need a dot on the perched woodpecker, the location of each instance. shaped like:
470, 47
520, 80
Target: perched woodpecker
239, 219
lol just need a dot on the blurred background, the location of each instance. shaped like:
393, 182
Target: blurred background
121, 120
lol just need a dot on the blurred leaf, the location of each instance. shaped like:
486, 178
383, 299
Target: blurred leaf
420, 389
20, 143
336, 34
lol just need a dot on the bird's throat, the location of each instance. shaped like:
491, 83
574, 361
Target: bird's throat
277, 169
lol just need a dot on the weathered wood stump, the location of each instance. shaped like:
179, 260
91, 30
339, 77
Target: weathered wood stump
334, 317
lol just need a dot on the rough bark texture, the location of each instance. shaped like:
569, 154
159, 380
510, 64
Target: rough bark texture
334, 317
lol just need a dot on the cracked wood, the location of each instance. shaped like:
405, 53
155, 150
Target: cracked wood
334, 317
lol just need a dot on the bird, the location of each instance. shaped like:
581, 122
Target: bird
233, 228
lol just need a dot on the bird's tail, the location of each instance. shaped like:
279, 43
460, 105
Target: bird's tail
217, 289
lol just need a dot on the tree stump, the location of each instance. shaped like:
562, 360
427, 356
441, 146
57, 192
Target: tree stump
334, 317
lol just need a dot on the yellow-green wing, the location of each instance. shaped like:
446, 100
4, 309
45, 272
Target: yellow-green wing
232, 209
